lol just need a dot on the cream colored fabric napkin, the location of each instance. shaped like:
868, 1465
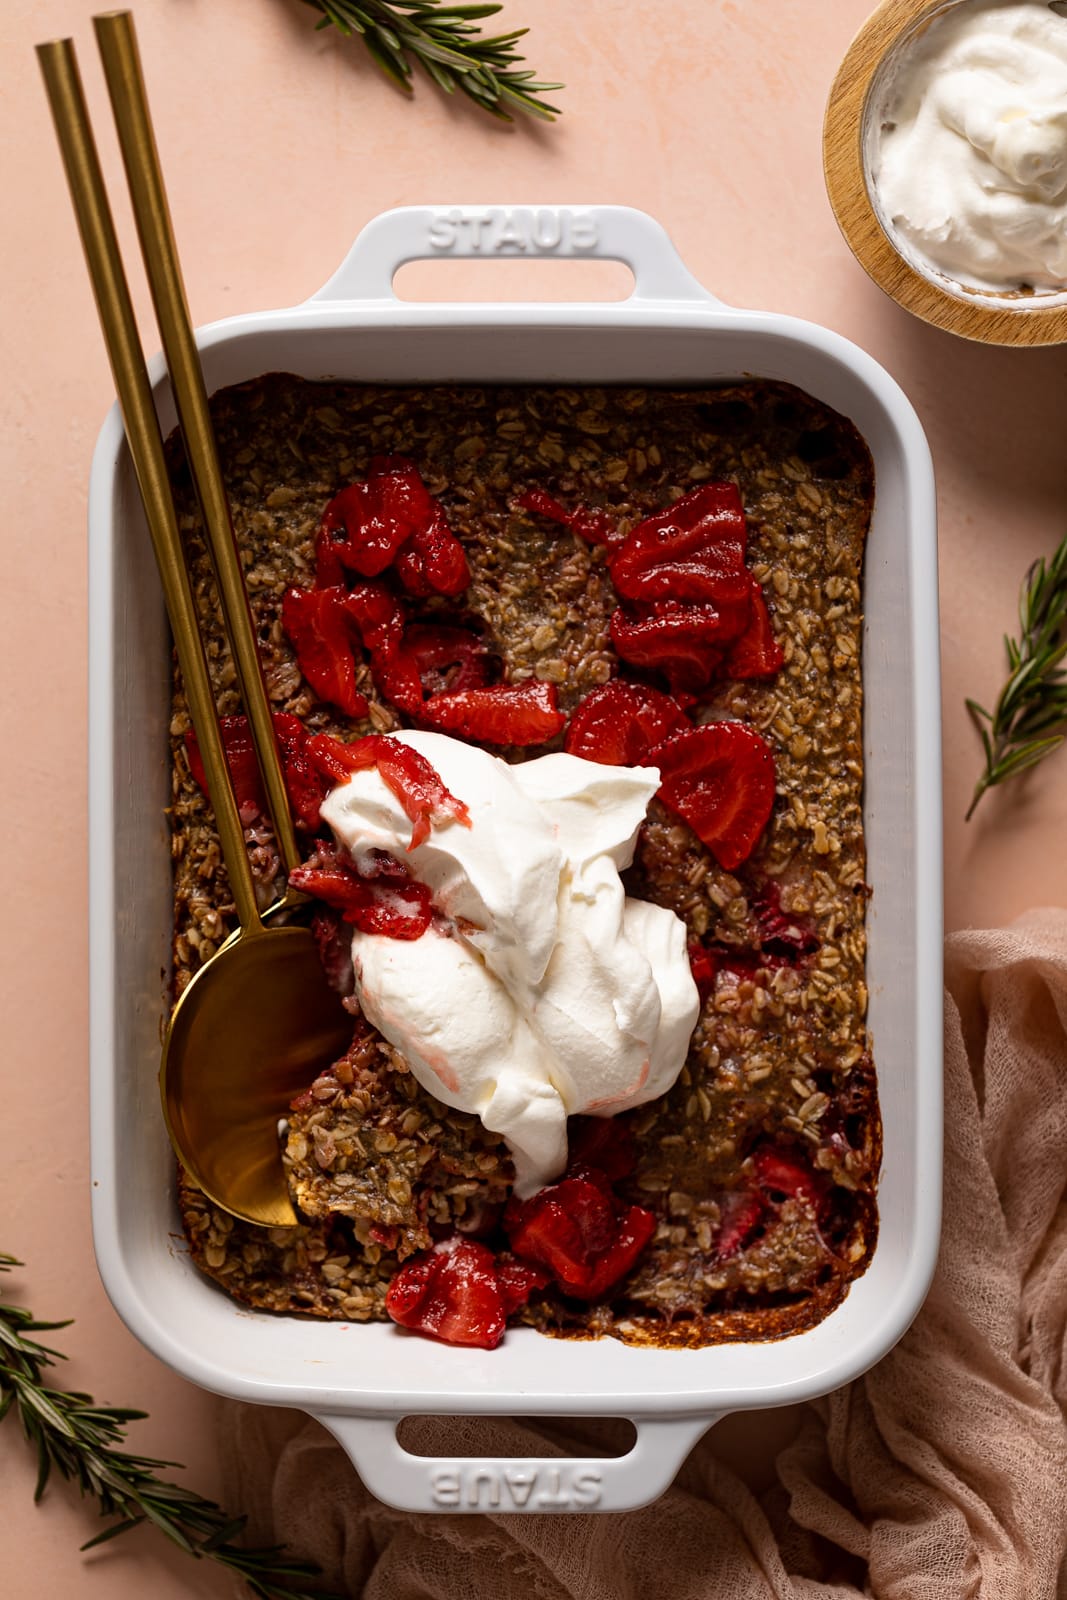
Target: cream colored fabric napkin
940, 1475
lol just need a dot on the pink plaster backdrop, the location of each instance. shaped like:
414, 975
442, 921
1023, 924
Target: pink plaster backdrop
278, 145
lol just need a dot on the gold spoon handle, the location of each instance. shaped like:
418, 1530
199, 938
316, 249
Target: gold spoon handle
63, 85
117, 43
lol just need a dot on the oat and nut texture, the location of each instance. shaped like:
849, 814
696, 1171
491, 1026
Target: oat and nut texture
781, 1052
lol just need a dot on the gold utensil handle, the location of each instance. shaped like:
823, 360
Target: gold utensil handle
63, 85
117, 43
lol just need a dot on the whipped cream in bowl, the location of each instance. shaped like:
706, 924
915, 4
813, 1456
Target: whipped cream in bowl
541, 989
965, 150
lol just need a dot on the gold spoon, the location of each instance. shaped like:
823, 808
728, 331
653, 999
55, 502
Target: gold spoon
117, 43
259, 1020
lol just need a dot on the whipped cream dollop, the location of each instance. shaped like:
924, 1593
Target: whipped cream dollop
968, 158
541, 989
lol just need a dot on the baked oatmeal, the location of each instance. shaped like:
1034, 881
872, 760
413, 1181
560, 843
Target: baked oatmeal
758, 1169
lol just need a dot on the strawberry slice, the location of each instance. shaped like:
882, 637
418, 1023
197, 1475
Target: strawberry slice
304, 785
543, 504
518, 714
379, 619
720, 779
388, 901
329, 573
691, 582
577, 1229
377, 614
635, 1229
365, 525
451, 1293
595, 527
406, 772
679, 551
782, 1176
703, 964
241, 762
684, 642
432, 560
604, 1143
683, 650
518, 1280
316, 621
390, 519
448, 660
757, 653
619, 721
741, 1213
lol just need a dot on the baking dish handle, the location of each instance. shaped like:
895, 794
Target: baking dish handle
527, 1484
598, 233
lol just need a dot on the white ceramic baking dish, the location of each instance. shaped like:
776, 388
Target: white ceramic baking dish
360, 1380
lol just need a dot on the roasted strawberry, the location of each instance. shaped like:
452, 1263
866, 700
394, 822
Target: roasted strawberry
518, 714
304, 784
703, 964
604, 1143
365, 525
336, 760
543, 504
377, 615
392, 904
452, 1293
405, 771
757, 653
635, 1228
619, 721
448, 660
241, 762
432, 560
329, 573
543, 1230
784, 1176
578, 1230
744, 963
518, 1280
678, 552
684, 642
391, 519
683, 651
595, 527
720, 779
316, 621
379, 620
740, 1214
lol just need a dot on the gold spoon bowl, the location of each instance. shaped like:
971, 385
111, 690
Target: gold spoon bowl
253, 1028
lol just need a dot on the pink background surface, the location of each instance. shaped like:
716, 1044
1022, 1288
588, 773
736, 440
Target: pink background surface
278, 145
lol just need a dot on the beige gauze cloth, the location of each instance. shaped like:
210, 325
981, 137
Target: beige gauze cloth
941, 1474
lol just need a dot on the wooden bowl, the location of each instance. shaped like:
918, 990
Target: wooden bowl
993, 318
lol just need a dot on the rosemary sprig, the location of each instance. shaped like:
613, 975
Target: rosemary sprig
77, 1438
1029, 719
446, 41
